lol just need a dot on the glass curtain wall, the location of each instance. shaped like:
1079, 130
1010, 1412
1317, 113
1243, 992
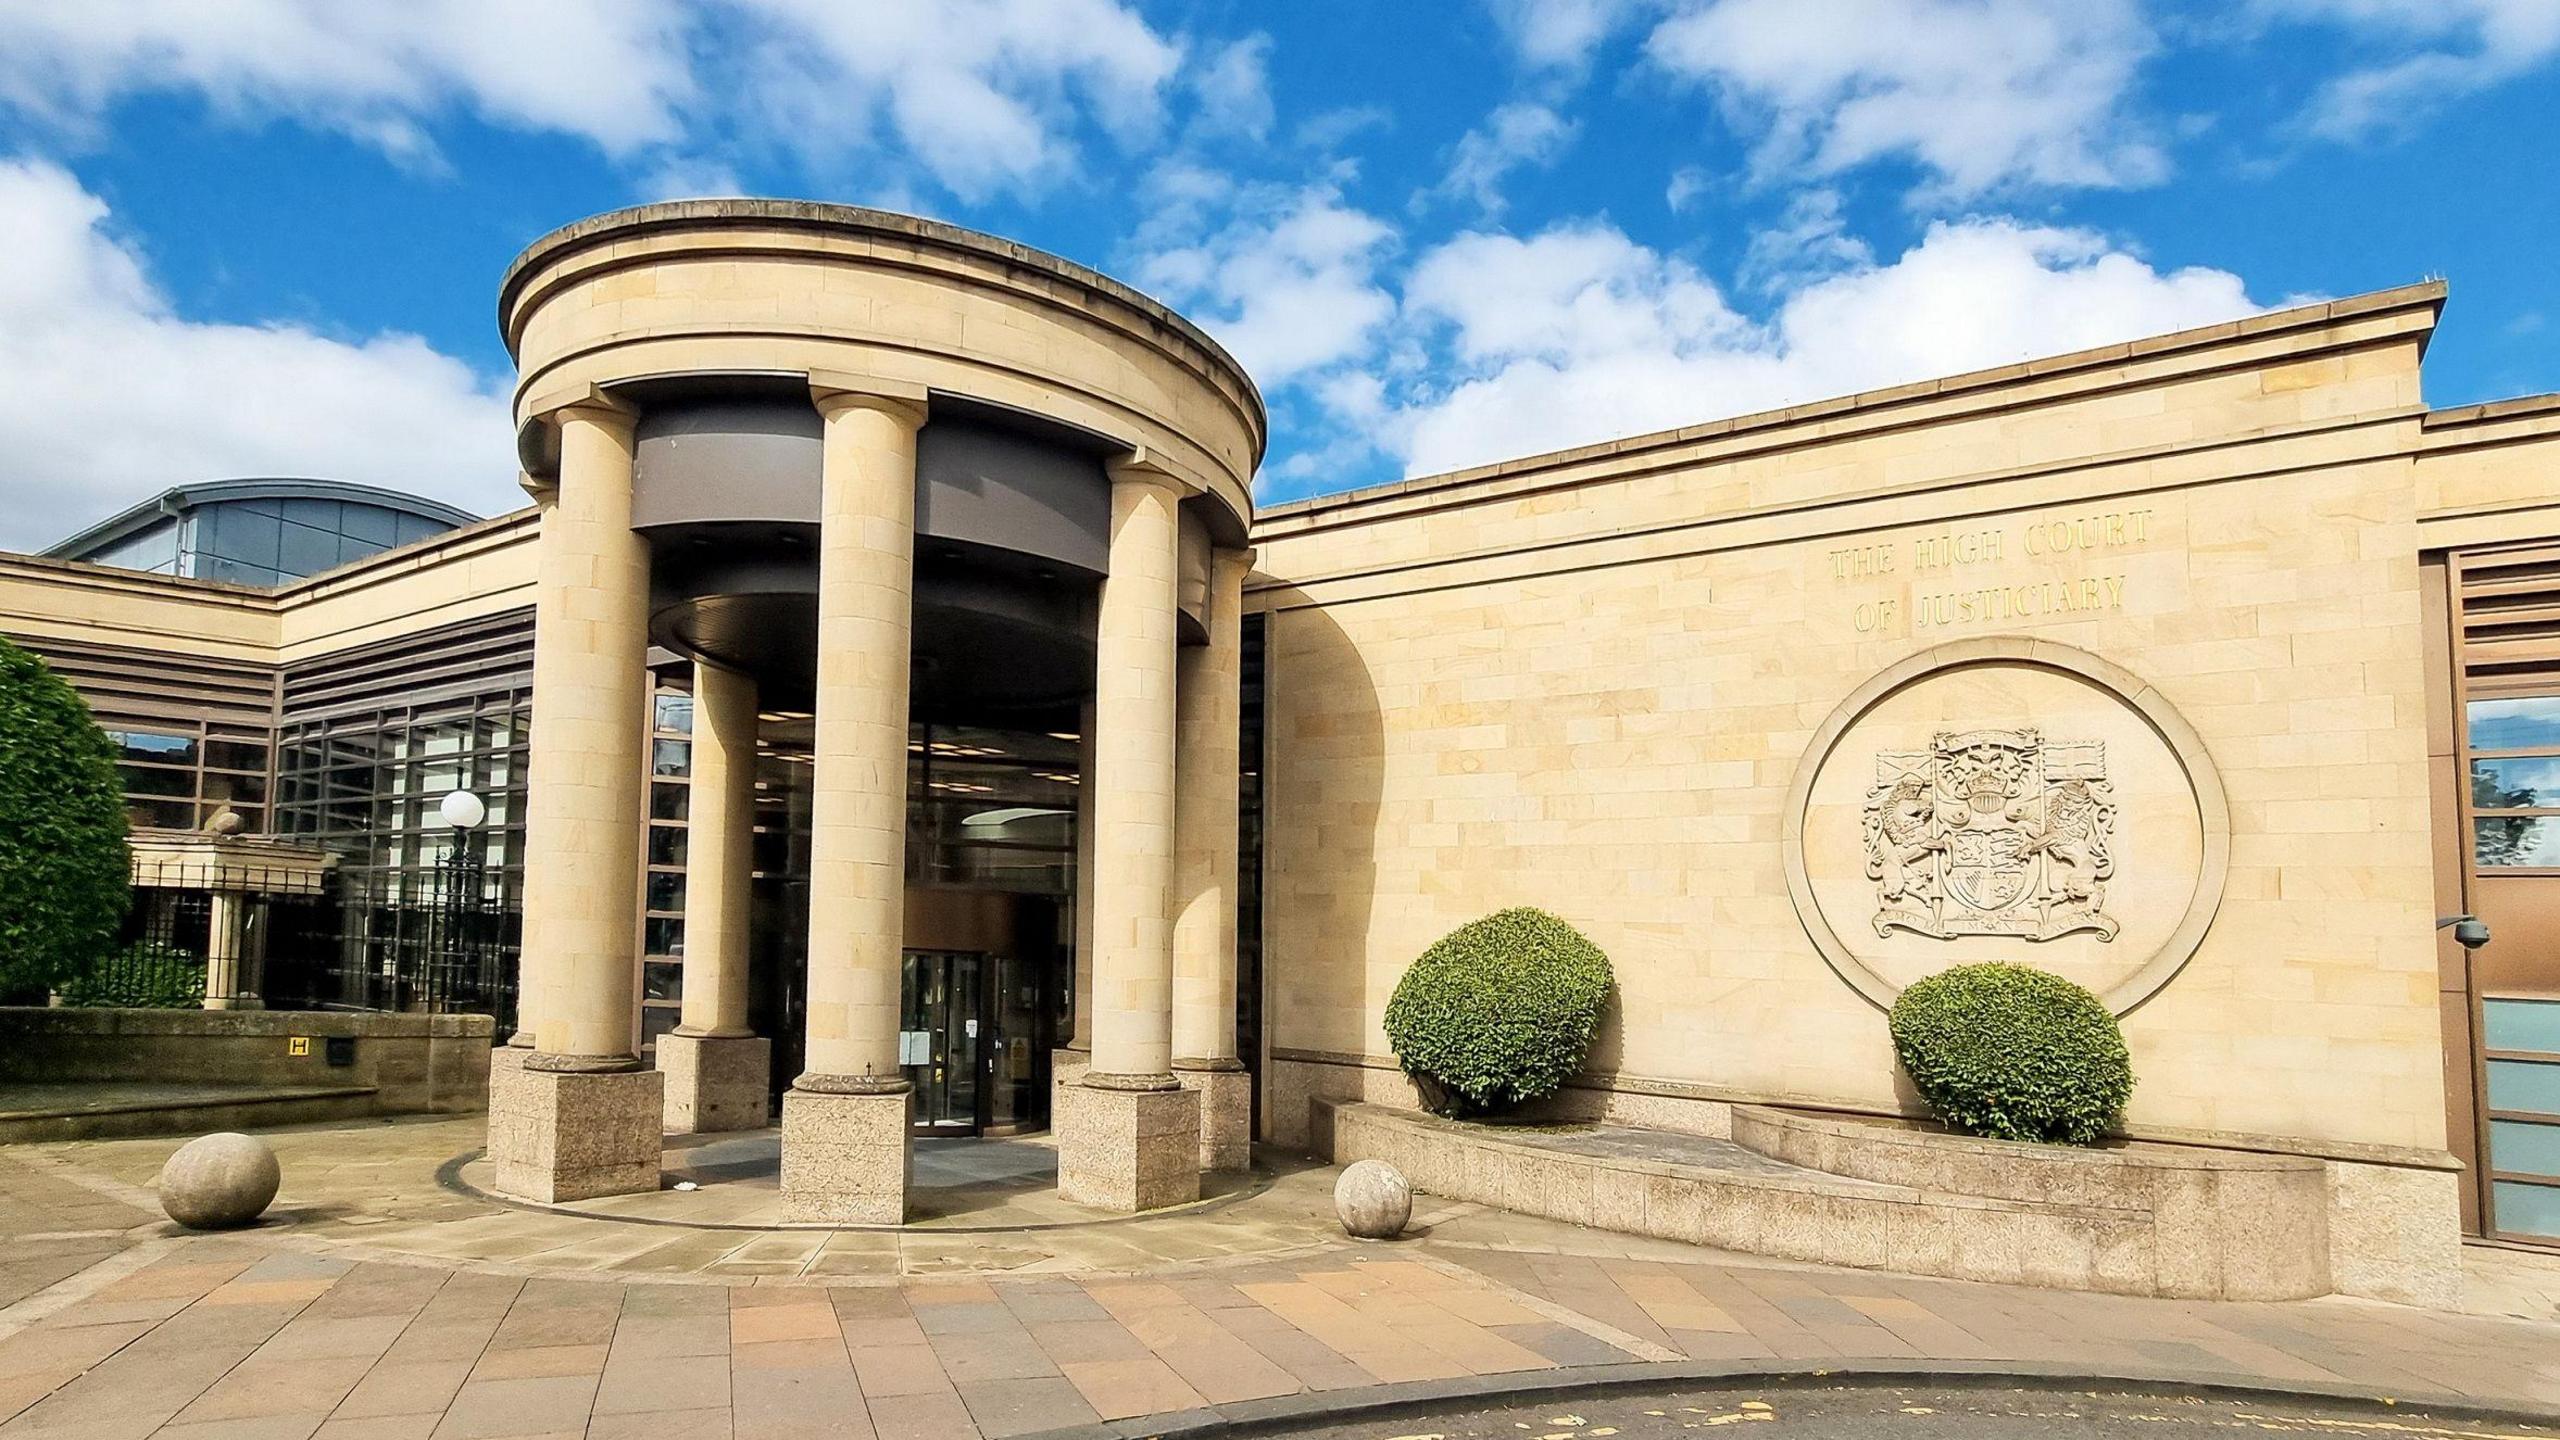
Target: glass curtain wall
990, 812
179, 775
426, 917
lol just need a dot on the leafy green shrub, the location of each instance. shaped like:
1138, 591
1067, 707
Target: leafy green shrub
2013, 1053
1498, 1011
146, 975
63, 869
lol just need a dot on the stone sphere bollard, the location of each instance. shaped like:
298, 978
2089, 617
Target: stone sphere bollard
219, 1182
1373, 1200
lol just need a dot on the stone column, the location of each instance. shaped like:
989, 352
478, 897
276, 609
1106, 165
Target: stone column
1130, 1140
844, 1124
1209, 708
506, 1062
717, 1067
582, 1117
1069, 1061
226, 931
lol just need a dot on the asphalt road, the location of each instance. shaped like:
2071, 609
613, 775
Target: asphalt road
1816, 1411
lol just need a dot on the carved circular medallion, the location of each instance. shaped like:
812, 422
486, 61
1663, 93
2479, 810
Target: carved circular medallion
2007, 798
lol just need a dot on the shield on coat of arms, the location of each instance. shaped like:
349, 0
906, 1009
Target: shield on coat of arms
1987, 869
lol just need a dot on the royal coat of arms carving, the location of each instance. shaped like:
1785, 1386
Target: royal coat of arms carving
1992, 832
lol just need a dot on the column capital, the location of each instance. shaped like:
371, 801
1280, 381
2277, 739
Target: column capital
1145, 466
1236, 559
587, 402
538, 430
836, 391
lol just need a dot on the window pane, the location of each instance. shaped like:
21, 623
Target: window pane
2515, 724
306, 550
669, 802
657, 1020
242, 789
666, 890
662, 937
2520, 1147
671, 757
151, 780
2516, 840
234, 755
2521, 1024
157, 749
2527, 1209
160, 814
660, 980
666, 845
675, 712
2524, 1085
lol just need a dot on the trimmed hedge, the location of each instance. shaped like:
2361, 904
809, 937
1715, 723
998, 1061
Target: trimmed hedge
2013, 1053
63, 869
1498, 1011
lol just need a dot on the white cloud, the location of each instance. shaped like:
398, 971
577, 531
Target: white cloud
1689, 184
2460, 47
1516, 134
107, 395
1559, 34
612, 71
1289, 282
981, 96
1579, 334
689, 177
986, 94
1812, 239
1979, 93
1234, 86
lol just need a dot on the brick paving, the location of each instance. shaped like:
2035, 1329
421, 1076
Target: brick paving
114, 1328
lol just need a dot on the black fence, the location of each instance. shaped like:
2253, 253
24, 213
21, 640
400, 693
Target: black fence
159, 959
444, 941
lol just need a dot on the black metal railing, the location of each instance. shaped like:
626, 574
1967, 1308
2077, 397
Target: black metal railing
442, 940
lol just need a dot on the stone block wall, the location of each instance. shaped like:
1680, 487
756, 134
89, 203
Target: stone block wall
415, 1063
1586, 682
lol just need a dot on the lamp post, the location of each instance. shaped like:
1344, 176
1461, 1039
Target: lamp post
455, 963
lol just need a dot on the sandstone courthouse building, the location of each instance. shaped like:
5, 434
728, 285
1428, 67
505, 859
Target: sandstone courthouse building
894, 707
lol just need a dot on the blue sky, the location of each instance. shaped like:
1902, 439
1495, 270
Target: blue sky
263, 236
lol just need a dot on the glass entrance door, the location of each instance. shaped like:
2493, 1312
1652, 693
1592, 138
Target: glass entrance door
944, 1043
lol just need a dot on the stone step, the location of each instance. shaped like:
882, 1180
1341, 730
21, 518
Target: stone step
106, 1110
1708, 1191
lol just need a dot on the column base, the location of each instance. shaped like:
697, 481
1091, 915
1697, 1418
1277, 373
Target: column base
1226, 1111
1127, 1150
506, 1066
556, 1136
1067, 1065
845, 1157
716, 1082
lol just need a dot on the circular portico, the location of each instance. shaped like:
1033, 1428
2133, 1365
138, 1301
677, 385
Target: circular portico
868, 467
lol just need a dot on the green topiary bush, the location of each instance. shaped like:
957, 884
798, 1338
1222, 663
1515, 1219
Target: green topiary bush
1498, 1011
2013, 1053
63, 869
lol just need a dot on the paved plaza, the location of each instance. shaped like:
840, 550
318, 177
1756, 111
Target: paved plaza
388, 1300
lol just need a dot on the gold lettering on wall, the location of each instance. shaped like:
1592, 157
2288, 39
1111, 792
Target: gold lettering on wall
2037, 599
2089, 532
1860, 561
2044, 538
